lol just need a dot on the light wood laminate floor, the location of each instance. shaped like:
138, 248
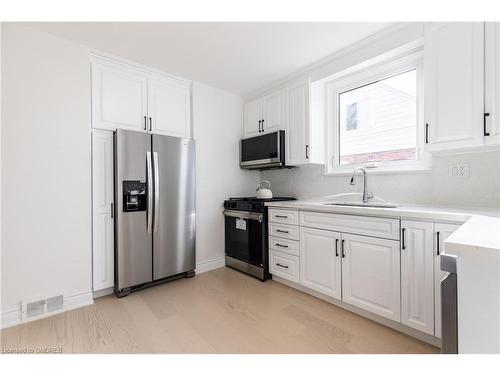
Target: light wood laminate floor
222, 311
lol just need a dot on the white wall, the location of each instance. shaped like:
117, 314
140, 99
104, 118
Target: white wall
481, 189
45, 169
217, 127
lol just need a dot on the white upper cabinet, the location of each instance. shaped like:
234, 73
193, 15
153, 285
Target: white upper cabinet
264, 114
297, 116
417, 275
320, 262
119, 97
169, 107
492, 82
132, 98
454, 85
273, 111
102, 210
370, 274
442, 232
252, 118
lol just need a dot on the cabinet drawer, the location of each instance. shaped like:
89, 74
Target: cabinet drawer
286, 246
284, 231
284, 265
284, 216
368, 226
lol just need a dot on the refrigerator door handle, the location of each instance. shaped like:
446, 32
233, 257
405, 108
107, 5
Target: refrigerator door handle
157, 192
149, 217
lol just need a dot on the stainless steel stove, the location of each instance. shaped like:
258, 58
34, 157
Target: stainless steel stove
246, 243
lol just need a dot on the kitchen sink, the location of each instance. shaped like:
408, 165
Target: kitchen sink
361, 204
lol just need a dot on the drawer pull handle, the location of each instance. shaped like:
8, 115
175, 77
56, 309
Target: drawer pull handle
280, 245
336, 247
282, 216
282, 266
282, 231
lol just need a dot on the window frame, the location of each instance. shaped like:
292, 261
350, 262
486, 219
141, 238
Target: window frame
366, 76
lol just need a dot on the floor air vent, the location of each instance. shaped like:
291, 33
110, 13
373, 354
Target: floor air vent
35, 309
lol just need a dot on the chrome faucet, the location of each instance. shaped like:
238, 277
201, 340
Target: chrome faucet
366, 195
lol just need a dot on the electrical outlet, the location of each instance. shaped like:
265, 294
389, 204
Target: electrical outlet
459, 171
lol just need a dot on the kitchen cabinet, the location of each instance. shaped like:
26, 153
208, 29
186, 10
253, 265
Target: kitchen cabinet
492, 82
417, 275
298, 120
454, 85
265, 114
320, 261
125, 97
441, 232
169, 107
119, 97
252, 118
102, 210
371, 274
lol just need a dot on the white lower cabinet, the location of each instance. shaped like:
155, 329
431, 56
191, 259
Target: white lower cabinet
284, 265
417, 275
442, 232
370, 274
320, 264
102, 210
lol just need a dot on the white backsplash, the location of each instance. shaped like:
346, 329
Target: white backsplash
437, 187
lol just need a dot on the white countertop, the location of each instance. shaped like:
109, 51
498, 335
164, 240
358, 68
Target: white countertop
405, 211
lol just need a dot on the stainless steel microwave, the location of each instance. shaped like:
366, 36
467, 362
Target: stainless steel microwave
263, 151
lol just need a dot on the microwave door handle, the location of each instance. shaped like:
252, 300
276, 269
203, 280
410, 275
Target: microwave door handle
157, 191
149, 216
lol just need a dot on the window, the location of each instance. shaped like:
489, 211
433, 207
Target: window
373, 117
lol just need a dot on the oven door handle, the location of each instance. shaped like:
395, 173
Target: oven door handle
244, 215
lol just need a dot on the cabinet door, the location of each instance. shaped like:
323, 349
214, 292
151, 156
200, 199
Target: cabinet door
102, 201
417, 275
320, 265
370, 274
119, 97
297, 110
252, 113
492, 89
273, 111
454, 84
442, 232
169, 107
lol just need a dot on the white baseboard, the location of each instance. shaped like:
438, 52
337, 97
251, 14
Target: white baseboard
210, 265
103, 292
12, 317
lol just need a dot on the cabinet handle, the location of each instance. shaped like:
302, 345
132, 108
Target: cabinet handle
281, 216
403, 238
307, 151
112, 210
262, 125
259, 125
486, 134
280, 245
336, 247
437, 244
145, 122
281, 231
426, 133
343, 250
150, 124
282, 266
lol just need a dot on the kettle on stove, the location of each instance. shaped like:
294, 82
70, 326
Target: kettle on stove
262, 192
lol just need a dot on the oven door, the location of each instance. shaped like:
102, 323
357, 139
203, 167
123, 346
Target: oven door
244, 235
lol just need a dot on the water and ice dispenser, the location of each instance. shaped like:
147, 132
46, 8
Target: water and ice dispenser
134, 196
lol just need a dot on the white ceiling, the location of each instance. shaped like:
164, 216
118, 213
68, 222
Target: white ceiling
237, 57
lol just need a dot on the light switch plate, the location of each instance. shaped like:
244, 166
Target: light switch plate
459, 171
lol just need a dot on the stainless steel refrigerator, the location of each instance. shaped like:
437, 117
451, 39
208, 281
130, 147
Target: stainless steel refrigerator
155, 225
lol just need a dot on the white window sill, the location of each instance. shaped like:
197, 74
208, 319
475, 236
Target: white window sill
414, 169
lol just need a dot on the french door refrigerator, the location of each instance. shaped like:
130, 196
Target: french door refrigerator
155, 209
